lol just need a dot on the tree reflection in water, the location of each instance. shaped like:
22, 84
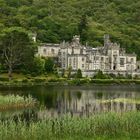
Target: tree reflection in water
79, 101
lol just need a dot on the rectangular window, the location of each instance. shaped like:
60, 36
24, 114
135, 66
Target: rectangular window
102, 58
52, 51
44, 51
83, 59
74, 62
132, 60
70, 61
122, 61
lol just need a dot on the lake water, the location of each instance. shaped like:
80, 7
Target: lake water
80, 101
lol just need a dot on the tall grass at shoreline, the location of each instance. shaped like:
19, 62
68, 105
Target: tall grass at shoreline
102, 126
15, 101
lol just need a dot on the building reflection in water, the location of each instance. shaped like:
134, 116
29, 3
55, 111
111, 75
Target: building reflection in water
76, 101
85, 103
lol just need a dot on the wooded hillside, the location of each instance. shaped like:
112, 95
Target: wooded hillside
57, 20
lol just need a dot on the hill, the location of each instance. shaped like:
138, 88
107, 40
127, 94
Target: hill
57, 20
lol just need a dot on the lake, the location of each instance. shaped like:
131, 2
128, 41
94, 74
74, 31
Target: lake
54, 101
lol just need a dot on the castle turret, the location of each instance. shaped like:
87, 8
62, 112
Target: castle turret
76, 40
106, 40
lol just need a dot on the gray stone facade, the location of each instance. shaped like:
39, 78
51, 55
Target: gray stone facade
109, 58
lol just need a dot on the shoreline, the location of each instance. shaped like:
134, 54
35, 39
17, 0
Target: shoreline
70, 82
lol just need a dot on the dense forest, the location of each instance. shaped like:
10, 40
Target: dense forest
57, 20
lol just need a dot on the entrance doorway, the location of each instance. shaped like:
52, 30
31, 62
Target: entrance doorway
114, 68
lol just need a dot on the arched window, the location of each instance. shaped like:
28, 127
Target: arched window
44, 51
52, 51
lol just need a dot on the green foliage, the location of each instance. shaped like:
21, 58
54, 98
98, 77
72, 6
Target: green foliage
103, 126
49, 65
69, 72
36, 67
100, 75
12, 101
79, 74
54, 21
38, 80
83, 27
15, 48
63, 73
4, 79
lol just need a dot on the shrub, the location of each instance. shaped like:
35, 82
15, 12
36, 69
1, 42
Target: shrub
28, 76
79, 74
100, 75
25, 81
76, 82
38, 80
4, 79
111, 75
49, 65
53, 80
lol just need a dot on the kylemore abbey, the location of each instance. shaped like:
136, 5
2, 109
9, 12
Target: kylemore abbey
109, 58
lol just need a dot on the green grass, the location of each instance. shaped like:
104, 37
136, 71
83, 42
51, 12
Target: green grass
15, 101
98, 127
15, 75
20, 79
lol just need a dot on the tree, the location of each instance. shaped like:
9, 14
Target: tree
63, 73
100, 75
83, 26
69, 72
79, 74
15, 48
49, 65
36, 67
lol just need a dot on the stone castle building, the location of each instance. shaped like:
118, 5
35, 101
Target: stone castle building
109, 58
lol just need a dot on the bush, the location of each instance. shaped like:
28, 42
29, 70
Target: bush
73, 75
84, 81
104, 81
111, 75
53, 80
120, 76
79, 74
49, 65
4, 79
76, 82
100, 75
25, 81
38, 80
15, 81
28, 76
36, 67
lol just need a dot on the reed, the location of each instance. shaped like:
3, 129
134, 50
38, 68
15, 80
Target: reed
102, 126
15, 101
